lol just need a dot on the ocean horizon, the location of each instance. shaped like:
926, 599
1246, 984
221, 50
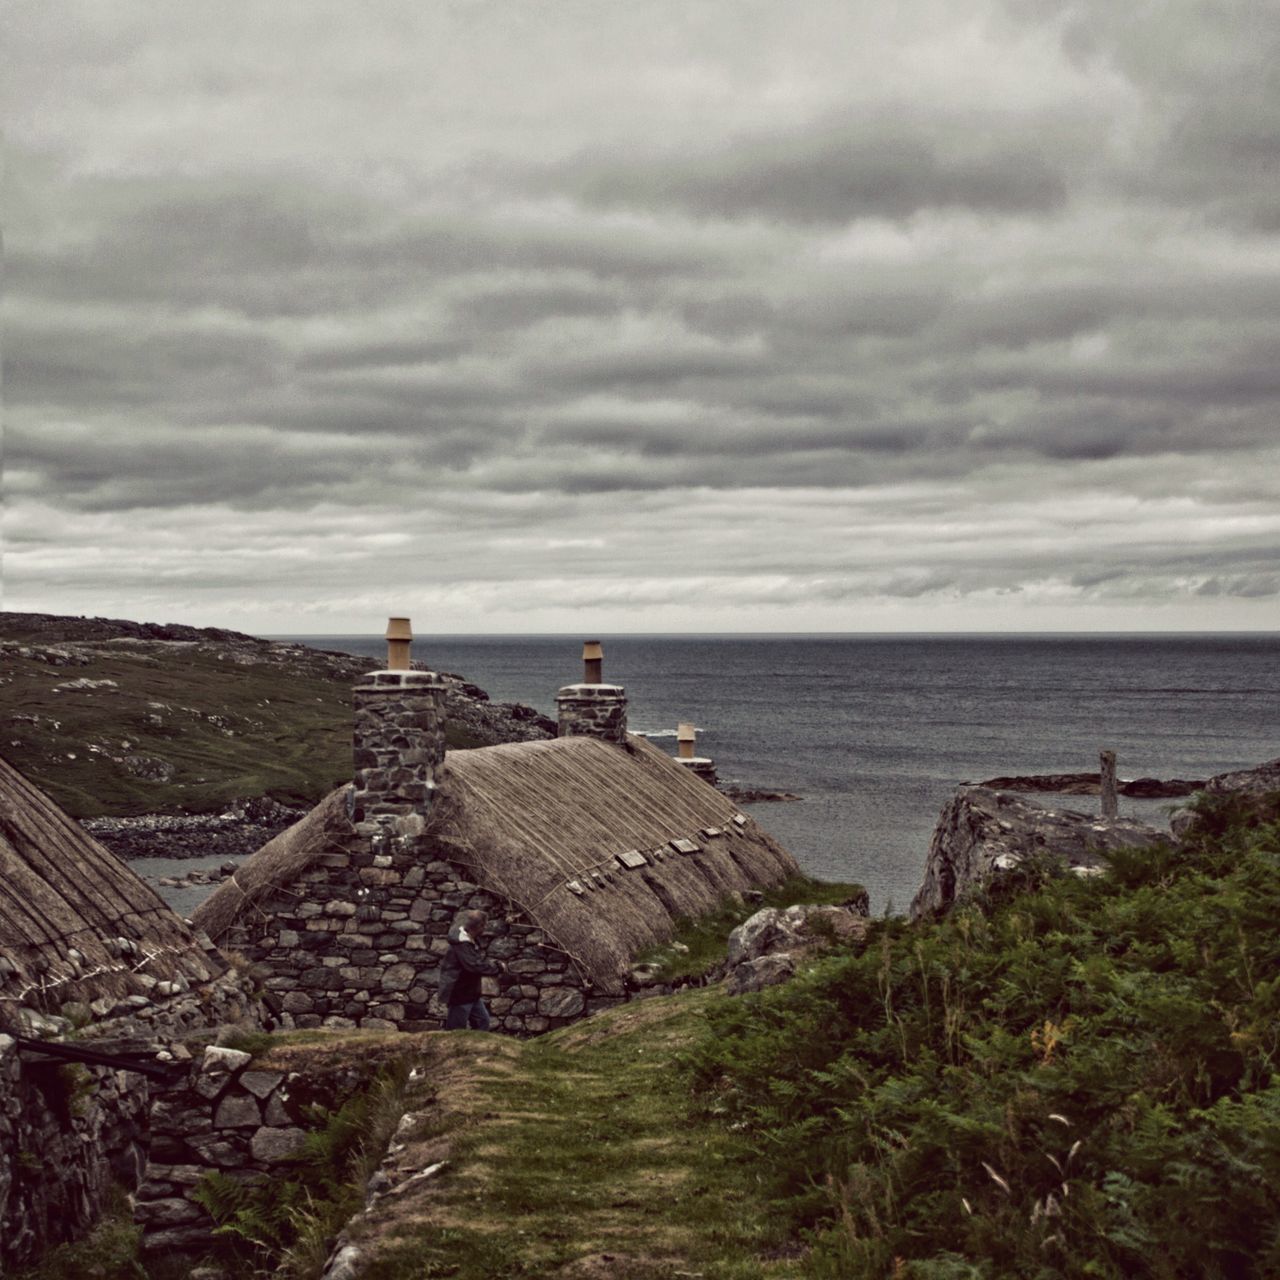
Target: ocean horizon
875, 730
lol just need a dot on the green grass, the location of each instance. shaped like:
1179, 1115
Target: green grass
579, 1144
699, 944
231, 729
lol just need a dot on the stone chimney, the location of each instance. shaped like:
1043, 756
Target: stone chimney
398, 741
593, 709
687, 754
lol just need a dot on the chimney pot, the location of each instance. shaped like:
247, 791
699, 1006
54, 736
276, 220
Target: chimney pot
686, 738
592, 662
399, 638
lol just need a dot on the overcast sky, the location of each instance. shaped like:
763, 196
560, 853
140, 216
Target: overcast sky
582, 315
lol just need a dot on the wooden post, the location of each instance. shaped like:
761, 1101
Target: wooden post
1107, 760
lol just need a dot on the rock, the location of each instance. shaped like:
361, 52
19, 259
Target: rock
1089, 784
776, 929
173, 1212
762, 971
561, 1002
271, 1145
237, 1111
982, 832
221, 1061
343, 1264
261, 1083
1258, 789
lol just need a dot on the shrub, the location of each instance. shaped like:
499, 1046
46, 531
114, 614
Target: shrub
1078, 1080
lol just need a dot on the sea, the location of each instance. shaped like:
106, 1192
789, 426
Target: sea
874, 732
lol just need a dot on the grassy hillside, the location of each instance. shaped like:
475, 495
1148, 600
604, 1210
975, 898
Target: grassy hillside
113, 723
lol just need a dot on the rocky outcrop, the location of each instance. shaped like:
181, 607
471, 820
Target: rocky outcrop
1090, 784
1258, 789
981, 833
765, 949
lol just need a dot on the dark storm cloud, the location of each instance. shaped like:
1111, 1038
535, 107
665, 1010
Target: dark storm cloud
837, 170
917, 303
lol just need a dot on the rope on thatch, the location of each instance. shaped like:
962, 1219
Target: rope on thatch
47, 984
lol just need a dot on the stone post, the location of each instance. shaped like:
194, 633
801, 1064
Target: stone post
398, 747
1107, 780
593, 709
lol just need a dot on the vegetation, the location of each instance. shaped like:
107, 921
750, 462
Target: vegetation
577, 1145
108, 1252
699, 944
179, 728
1071, 1078
287, 1225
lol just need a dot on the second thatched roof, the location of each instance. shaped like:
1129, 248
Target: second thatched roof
76, 924
605, 848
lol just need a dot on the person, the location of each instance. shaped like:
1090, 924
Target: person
461, 971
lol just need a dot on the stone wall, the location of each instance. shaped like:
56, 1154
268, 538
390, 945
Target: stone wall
68, 1131
357, 939
220, 1117
593, 711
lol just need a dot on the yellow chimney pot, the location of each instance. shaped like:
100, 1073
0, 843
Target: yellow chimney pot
686, 737
399, 638
592, 662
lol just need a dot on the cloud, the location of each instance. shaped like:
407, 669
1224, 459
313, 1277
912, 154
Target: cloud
950, 308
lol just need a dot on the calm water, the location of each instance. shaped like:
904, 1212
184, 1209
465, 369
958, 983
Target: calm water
875, 732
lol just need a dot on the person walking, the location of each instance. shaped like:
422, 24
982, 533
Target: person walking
461, 971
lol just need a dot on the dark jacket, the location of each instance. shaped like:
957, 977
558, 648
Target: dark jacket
461, 970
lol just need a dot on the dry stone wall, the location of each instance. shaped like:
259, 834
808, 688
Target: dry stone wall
222, 1117
357, 940
69, 1131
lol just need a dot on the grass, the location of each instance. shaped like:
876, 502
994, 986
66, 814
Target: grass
699, 943
229, 729
573, 1146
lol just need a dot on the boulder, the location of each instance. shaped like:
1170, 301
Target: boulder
981, 833
762, 971
777, 929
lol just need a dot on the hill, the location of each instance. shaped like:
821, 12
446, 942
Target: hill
112, 717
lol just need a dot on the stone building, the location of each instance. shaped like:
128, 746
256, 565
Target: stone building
584, 850
85, 944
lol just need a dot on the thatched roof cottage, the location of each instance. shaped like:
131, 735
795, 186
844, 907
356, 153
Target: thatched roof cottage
584, 850
77, 926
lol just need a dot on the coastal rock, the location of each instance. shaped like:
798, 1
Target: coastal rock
1089, 784
1258, 788
982, 832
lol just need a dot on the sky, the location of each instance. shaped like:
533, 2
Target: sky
664, 315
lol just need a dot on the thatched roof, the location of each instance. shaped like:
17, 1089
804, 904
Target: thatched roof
75, 922
551, 826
